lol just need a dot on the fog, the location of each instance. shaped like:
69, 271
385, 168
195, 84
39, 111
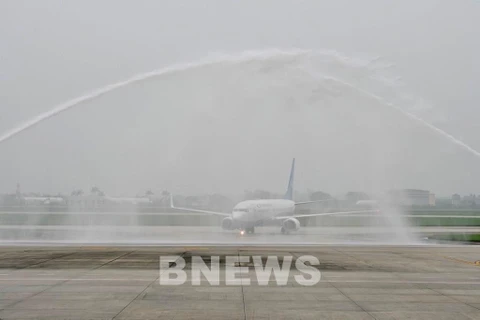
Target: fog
328, 82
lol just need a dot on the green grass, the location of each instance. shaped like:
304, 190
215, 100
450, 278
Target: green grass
458, 237
445, 222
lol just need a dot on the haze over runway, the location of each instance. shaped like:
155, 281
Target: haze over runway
133, 131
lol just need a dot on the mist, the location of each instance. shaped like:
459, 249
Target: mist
283, 80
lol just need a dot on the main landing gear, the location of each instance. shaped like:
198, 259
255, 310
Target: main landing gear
284, 231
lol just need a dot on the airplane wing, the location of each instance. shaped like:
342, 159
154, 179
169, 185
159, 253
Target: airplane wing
204, 211
197, 210
325, 214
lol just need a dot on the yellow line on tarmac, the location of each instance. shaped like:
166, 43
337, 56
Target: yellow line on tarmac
195, 248
475, 263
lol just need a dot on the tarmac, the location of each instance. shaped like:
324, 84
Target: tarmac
214, 235
357, 282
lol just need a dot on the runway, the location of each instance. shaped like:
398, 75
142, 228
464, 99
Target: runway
357, 282
112, 272
185, 235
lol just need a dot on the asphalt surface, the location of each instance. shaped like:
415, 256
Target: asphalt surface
357, 282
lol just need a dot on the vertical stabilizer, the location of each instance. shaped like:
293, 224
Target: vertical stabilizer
289, 193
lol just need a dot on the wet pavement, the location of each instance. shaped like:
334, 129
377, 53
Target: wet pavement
357, 282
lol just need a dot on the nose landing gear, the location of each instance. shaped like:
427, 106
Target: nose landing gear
250, 230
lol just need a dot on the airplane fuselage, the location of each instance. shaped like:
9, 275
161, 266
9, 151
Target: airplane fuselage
44, 200
255, 212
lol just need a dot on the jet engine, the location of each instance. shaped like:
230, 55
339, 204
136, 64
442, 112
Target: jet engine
291, 224
227, 224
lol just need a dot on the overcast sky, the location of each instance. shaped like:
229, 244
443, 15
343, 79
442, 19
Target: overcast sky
235, 126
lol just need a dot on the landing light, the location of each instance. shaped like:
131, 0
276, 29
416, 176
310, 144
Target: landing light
242, 232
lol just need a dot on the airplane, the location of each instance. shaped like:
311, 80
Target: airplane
46, 200
246, 215
122, 200
133, 201
43, 200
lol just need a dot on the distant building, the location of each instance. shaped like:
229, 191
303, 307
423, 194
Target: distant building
456, 200
470, 201
85, 202
412, 197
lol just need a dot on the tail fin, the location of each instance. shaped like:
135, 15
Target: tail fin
289, 193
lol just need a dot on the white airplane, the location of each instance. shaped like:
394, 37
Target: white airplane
248, 214
44, 200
